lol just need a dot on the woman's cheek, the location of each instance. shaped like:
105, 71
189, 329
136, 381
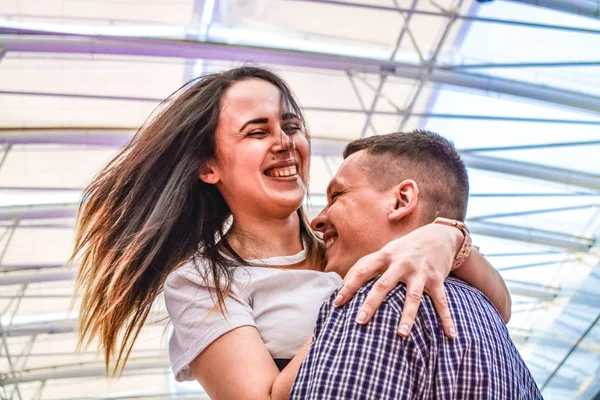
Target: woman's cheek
305, 157
302, 146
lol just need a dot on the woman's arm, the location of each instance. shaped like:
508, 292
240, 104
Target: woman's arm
479, 273
285, 380
238, 366
422, 259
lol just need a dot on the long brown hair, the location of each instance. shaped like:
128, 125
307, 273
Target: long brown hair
147, 212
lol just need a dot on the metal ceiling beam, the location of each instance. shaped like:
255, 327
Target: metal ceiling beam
50, 328
39, 226
67, 325
321, 147
552, 340
525, 65
505, 166
118, 137
470, 117
36, 277
383, 78
38, 212
454, 14
528, 235
510, 232
144, 395
531, 170
574, 346
576, 321
532, 195
483, 217
525, 289
69, 136
10, 28
62, 43
79, 96
38, 189
533, 146
535, 264
22, 267
585, 8
83, 371
590, 388
37, 296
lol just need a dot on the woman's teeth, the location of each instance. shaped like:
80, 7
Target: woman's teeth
281, 172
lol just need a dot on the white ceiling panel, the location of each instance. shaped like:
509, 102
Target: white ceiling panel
77, 109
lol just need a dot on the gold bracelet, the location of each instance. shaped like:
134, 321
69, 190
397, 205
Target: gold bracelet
465, 249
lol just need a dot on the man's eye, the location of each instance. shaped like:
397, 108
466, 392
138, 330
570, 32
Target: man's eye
335, 195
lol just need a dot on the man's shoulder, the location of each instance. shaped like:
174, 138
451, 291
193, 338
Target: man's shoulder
400, 290
349, 311
457, 291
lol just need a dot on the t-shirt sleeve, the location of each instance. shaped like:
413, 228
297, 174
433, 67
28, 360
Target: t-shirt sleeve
196, 320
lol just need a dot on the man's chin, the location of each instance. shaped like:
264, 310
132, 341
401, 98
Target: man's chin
335, 267
341, 266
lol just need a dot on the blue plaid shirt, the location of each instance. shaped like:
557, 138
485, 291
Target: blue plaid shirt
348, 361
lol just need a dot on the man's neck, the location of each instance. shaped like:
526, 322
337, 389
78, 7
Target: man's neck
387, 234
255, 238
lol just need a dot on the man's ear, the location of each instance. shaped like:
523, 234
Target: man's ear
208, 173
406, 196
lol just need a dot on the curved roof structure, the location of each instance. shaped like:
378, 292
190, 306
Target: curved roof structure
515, 86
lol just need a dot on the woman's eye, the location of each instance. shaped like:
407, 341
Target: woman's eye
256, 134
291, 129
335, 195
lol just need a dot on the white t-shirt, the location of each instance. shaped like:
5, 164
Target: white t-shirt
281, 303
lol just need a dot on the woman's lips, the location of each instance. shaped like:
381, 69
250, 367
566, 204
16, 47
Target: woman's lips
282, 172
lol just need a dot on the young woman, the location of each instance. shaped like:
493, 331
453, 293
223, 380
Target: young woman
207, 201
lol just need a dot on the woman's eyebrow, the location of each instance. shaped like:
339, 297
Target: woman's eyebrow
266, 120
255, 121
289, 115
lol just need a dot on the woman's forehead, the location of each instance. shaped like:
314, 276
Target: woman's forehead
253, 99
250, 97
252, 91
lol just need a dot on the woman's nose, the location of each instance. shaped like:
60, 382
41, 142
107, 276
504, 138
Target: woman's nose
283, 143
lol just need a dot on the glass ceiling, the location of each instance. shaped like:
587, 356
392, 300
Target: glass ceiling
516, 87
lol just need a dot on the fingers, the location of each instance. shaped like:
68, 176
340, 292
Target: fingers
364, 270
414, 294
382, 287
440, 301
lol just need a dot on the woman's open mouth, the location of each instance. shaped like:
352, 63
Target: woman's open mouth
282, 172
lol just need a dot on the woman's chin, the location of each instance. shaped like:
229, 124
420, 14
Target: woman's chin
287, 205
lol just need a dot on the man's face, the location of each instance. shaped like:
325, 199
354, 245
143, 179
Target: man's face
355, 221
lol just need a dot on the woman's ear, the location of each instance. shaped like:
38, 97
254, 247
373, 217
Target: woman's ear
406, 198
208, 173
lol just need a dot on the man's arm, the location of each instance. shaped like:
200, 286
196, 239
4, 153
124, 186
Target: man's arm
347, 360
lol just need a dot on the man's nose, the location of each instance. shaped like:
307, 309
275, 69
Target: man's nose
319, 222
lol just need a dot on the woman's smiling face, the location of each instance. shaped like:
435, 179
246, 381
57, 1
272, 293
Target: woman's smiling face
262, 152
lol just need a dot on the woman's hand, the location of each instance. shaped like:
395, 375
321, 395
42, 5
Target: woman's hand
422, 259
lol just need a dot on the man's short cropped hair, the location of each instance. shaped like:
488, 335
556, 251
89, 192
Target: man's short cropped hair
426, 157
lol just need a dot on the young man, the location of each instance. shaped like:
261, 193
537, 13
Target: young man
370, 203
